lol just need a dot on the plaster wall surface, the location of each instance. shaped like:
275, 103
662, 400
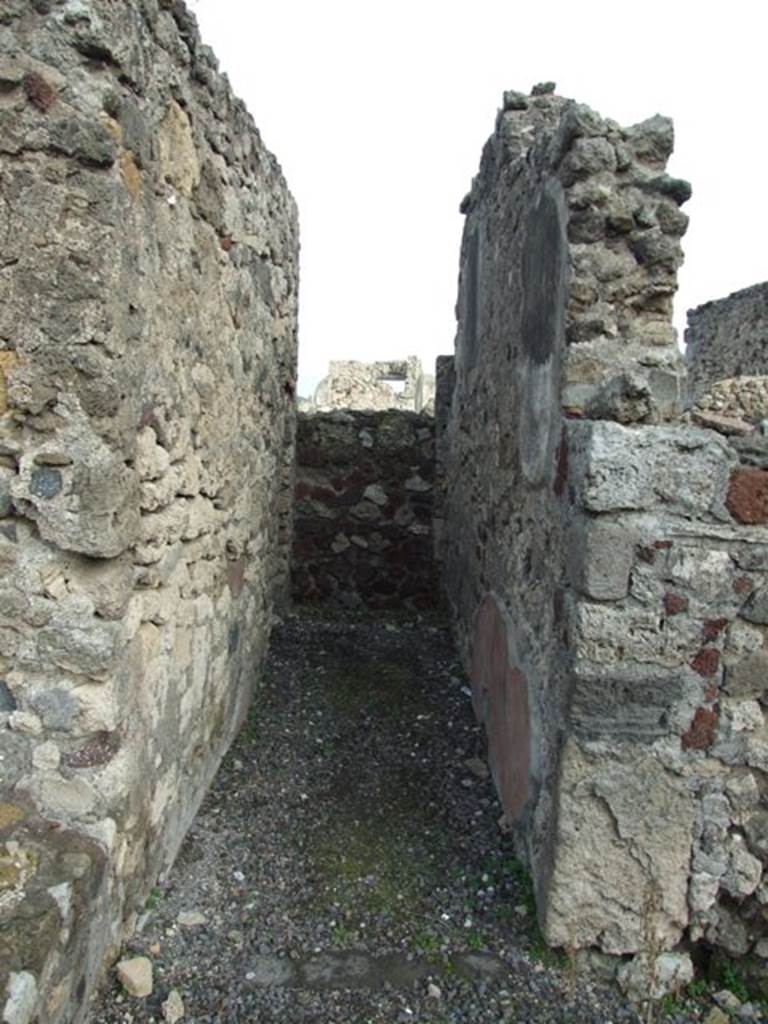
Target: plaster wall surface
147, 349
600, 556
727, 338
364, 510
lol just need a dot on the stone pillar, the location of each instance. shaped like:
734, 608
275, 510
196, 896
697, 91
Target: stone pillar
606, 562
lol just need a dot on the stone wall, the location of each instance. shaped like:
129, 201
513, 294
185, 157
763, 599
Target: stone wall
727, 338
601, 558
445, 382
350, 384
147, 348
667, 745
363, 519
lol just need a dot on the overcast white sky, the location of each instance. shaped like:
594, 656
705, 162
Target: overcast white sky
377, 112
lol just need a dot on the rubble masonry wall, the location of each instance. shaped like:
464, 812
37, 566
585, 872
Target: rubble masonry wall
605, 564
364, 509
147, 348
351, 384
727, 338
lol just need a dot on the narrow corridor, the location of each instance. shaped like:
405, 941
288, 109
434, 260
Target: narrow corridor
347, 865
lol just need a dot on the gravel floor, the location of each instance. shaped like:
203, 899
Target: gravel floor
347, 867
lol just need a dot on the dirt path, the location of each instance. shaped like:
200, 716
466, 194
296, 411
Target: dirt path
347, 866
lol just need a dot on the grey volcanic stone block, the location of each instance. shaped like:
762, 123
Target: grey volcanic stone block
756, 609
7, 700
601, 554
684, 469
652, 813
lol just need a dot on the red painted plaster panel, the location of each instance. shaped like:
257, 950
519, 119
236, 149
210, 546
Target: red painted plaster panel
500, 697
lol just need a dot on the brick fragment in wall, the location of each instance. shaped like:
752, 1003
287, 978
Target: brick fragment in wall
675, 604
747, 499
701, 731
147, 416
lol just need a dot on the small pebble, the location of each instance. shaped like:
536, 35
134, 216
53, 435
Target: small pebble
727, 1000
173, 1007
191, 919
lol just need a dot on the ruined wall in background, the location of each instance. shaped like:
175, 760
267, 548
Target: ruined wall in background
387, 384
727, 338
605, 563
364, 508
147, 348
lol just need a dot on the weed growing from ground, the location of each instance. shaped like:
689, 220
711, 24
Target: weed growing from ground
342, 936
732, 980
670, 1006
512, 869
698, 988
151, 902
426, 943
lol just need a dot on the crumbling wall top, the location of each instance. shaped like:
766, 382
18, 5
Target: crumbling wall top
624, 224
350, 384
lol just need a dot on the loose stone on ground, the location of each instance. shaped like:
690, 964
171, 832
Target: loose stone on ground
135, 975
173, 1008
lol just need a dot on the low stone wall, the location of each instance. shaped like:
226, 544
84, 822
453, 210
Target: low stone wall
147, 349
363, 515
727, 338
604, 562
